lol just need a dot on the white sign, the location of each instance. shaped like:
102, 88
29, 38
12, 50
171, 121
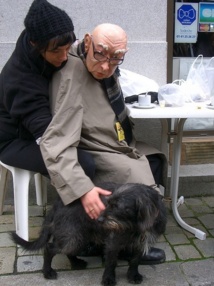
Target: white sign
186, 22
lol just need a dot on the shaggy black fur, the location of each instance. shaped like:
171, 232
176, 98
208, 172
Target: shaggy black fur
134, 218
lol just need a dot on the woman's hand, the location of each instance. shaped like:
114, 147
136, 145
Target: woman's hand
92, 203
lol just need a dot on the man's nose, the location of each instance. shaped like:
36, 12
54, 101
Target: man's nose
105, 65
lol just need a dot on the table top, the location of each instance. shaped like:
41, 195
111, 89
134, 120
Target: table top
189, 110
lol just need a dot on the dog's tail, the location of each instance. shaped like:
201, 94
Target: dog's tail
41, 241
35, 245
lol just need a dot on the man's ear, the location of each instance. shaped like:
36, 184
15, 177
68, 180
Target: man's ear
87, 42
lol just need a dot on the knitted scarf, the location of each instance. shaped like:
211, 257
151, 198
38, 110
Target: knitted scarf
114, 93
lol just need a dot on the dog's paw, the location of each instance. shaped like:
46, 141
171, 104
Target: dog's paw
109, 281
50, 274
136, 278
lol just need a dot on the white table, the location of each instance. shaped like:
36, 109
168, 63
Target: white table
179, 114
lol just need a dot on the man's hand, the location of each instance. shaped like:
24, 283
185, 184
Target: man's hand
92, 203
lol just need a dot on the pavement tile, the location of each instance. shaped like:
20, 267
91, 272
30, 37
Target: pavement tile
173, 229
171, 221
36, 211
201, 209
8, 209
34, 232
5, 219
29, 263
211, 231
186, 213
183, 207
7, 258
207, 220
36, 221
199, 273
7, 227
161, 239
161, 275
209, 201
193, 201
189, 234
186, 252
206, 247
177, 238
192, 221
5, 240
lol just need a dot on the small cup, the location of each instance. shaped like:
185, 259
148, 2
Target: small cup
144, 99
162, 103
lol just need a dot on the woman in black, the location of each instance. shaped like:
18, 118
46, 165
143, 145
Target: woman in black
41, 50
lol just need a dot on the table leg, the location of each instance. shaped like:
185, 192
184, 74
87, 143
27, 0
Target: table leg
177, 143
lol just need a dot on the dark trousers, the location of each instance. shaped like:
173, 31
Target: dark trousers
27, 155
156, 166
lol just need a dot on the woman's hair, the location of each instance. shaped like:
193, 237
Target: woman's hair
58, 41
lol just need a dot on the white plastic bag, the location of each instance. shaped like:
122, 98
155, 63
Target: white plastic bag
196, 87
209, 70
172, 94
133, 83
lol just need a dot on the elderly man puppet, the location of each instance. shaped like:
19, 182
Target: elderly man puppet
89, 112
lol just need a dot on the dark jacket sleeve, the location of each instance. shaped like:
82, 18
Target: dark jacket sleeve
27, 99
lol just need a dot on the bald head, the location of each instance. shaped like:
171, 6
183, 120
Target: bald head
105, 48
112, 34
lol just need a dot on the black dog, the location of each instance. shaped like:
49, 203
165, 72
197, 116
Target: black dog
133, 220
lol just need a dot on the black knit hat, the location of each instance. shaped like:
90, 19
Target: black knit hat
45, 21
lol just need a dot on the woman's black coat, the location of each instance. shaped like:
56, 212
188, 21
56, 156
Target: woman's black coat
24, 93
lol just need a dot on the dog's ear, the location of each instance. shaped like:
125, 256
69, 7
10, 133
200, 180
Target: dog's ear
146, 213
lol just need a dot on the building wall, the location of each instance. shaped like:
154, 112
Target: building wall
144, 21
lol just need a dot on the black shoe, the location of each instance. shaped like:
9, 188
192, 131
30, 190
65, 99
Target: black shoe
154, 256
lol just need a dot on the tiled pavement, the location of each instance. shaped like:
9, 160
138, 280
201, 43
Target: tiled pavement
189, 261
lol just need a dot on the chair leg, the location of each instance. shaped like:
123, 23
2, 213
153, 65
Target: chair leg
21, 180
3, 189
41, 189
44, 190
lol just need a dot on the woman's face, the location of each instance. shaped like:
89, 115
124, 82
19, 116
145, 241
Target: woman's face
56, 56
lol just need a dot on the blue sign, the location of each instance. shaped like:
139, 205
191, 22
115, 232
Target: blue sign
186, 22
186, 14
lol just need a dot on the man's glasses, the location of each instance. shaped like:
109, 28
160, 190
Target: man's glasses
102, 58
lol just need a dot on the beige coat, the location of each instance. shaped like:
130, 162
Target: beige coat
83, 117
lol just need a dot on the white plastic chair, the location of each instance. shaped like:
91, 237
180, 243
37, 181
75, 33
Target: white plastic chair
21, 180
